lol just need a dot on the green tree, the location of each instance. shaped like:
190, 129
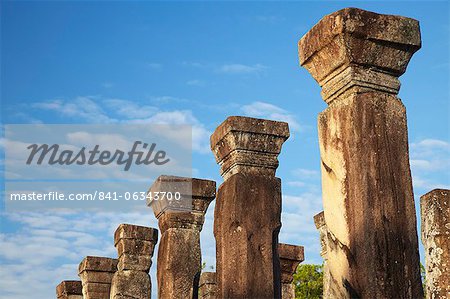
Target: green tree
308, 281
423, 273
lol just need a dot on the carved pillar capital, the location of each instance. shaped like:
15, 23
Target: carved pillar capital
135, 245
356, 51
248, 145
186, 211
96, 274
290, 257
69, 289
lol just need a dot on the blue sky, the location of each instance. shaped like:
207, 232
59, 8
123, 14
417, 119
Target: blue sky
191, 63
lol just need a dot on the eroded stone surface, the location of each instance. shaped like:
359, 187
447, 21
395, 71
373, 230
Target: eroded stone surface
179, 254
435, 214
370, 234
69, 289
131, 284
135, 246
96, 274
207, 285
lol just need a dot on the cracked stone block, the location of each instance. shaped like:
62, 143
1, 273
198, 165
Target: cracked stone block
69, 289
96, 274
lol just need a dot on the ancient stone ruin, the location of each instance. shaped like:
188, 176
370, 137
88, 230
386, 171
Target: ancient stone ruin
372, 246
435, 214
368, 229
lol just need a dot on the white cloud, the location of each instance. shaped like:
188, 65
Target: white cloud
270, 111
129, 109
430, 161
49, 246
237, 68
85, 108
199, 83
100, 110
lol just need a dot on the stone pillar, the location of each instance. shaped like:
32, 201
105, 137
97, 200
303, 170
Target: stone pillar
135, 245
328, 290
357, 56
435, 212
96, 274
69, 289
247, 216
180, 222
207, 285
290, 257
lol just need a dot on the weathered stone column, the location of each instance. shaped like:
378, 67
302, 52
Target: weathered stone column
247, 216
357, 57
180, 222
135, 245
69, 289
96, 274
435, 214
290, 257
207, 285
328, 290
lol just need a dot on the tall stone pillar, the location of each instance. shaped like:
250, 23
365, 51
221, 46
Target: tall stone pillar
207, 285
180, 221
290, 257
96, 274
247, 216
69, 289
135, 245
357, 56
435, 214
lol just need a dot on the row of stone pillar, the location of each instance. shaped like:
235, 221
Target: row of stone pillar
368, 226
179, 254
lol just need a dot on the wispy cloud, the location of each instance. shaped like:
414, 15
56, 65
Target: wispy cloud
48, 248
270, 111
85, 107
107, 85
199, 83
237, 68
154, 65
195, 64
430, 161
101, 110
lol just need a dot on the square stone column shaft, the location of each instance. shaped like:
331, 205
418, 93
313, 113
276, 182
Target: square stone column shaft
135, 245
69, 289
207, 285
435, 214
180, 222
247, 216
290, 257
357, 57
96, 274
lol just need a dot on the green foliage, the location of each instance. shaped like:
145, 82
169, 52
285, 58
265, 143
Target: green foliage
308, 281
423, 277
